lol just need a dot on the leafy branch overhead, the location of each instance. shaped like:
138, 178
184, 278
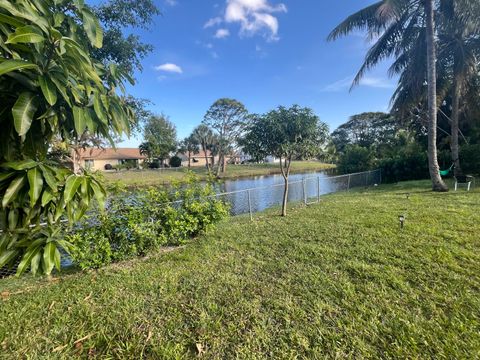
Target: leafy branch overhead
50, 87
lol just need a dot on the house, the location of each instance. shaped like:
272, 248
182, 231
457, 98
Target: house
103, 159
197, 160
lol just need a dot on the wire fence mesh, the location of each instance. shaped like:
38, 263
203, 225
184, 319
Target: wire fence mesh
250, 201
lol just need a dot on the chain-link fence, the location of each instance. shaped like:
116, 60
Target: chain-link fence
253, 200
307, 190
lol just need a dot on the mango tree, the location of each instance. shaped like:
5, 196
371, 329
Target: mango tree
288, 134
49, 87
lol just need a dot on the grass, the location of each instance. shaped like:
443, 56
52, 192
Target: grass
156, 177
338, 279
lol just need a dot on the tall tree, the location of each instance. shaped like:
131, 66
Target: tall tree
204, 136
49, 87
288, 133
189, 146
227, 117
395, 24
161, 134
433, 167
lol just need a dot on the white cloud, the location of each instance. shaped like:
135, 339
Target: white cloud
169, 67
254, 16
171, 2
212, 22
346, 83
222, 33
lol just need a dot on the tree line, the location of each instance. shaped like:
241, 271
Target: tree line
435, 49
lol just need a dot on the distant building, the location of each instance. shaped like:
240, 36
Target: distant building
102, 159
197, 160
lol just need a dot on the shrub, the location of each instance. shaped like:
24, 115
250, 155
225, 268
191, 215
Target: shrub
470, 158
141, 222
410, 166
108, 167
355, 159
175, 162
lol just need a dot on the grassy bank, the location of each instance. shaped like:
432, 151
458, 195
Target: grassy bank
158, 177
338, 279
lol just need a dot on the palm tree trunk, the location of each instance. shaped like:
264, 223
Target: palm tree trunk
433, 168
219, 166
207, 161
454, 147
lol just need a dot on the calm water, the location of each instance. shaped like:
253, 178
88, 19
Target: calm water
267, 191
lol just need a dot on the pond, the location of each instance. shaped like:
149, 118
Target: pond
263, 192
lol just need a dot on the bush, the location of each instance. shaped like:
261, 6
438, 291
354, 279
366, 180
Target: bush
175, 162
154, 165
355, 159
141, 222
470, 158
108, 167
404, 167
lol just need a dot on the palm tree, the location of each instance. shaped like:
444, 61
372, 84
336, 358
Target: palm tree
204, 136
189, 145
393, 23
460, 50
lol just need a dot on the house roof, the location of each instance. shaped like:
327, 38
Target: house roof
111, 154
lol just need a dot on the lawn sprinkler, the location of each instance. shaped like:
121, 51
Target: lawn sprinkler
401, 218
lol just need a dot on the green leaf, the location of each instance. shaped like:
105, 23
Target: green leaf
49, 257
8, 256
99, 192
23, 112
79, 119
35, 181
6, 176
27, 259
56, 258
20, 165
46, 197
10, 20
99, 109
13, 65
26, 34
35, 264
12, 219
71, 187
13, 189
49, 177
48, 89
92, 28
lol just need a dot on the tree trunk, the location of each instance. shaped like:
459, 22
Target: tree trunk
285, 173
189, 159
454, 147
285, 197
207, 161
224, 165
437, 182
219, 166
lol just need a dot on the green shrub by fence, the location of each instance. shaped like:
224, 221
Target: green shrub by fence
136, 224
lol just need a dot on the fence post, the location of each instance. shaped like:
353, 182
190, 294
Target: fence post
304, 192
318, 189
250, 206
348, 185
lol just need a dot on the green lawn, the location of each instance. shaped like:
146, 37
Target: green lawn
338, 279
156, 177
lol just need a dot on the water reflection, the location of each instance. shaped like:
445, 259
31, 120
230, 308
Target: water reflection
267, 191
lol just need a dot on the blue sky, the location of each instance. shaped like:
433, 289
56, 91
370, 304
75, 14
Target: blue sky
263, 53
